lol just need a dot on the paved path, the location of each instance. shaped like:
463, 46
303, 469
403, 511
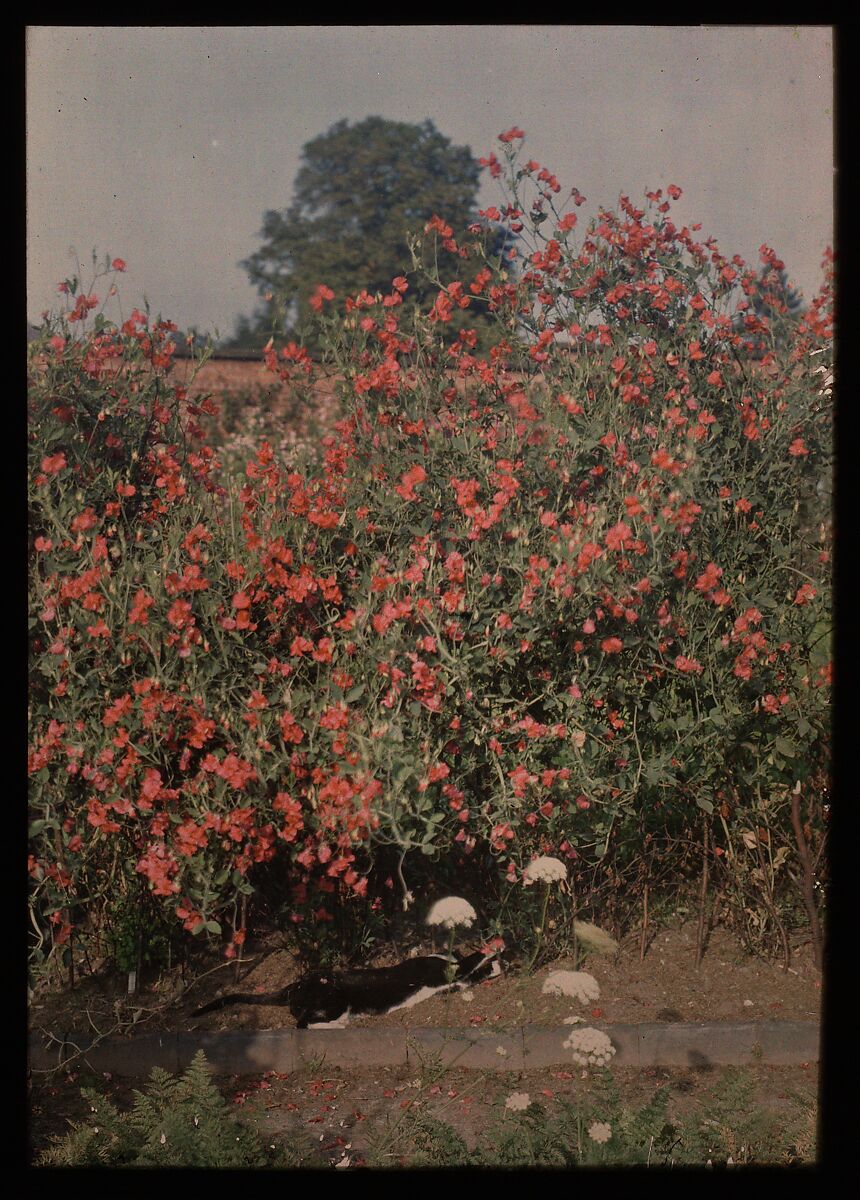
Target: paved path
772, 1043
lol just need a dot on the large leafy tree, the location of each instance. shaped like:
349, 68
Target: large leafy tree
360, 192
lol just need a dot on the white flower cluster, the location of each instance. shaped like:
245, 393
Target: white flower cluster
589, 1047
578, 984
452, 911
827, 388
545, 869
600, 1132
517, 1101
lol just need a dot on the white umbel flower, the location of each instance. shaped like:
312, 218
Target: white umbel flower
451, 912
827, 387
517, 1101
589, 1047
578, 984
600, 1132
545, 869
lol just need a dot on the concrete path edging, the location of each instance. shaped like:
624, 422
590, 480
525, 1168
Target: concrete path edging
523, 1048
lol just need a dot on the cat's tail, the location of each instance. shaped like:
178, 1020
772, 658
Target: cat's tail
280, 997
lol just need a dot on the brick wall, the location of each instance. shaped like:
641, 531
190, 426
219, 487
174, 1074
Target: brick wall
226, 375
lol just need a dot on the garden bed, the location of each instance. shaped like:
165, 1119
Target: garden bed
408, 1116
664, 985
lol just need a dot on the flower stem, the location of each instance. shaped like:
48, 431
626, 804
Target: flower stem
541, 928
450, 969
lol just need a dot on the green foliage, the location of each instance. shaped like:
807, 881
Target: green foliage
531, 1139
731, 1125
175, 1122
139, 934
359, 194
570, 598
727, 1126
417, 1140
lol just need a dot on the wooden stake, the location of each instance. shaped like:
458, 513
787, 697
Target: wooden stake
771, 904
808, 888
243, 910
644, 938
700, 932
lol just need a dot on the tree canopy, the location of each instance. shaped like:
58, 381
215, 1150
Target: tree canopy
360, 191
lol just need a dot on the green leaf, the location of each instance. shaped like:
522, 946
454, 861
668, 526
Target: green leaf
654, 773
402, 772
38, 826
212, 927
785, 747
704, 804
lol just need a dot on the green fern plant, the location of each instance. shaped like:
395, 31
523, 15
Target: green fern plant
529, 1141
175, 1122
730, 1125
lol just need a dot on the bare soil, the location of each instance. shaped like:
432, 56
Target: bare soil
337, 1112
664, 985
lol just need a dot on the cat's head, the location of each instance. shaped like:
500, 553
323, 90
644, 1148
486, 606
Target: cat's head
485, 963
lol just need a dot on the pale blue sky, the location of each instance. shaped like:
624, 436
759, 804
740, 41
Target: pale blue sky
164, 146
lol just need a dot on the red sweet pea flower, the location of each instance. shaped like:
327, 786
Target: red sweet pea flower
617, 535
52, 464
611, 645
320, 296
709, 578
408, 481
493, 164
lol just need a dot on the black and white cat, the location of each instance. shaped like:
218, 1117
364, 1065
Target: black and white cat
328, 998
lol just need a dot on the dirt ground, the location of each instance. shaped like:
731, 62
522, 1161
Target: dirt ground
338, 1113
665, 985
